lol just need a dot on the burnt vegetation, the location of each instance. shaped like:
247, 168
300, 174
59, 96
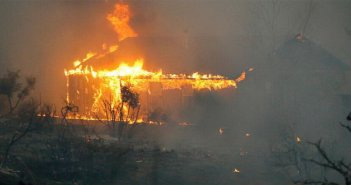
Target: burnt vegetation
112, 114
313, 162
38, 148
40, 145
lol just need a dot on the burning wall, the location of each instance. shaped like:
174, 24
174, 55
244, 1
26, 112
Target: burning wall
88, 88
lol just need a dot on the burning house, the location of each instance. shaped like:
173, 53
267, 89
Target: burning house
88, 88
94, 87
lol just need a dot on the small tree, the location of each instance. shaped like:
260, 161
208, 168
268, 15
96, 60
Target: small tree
13, 89
340, 166
115, 113
18, 117
131, 99
321, 159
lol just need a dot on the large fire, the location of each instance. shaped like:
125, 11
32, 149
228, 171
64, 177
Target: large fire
91, 89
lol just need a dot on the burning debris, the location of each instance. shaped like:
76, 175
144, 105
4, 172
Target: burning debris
221, 131
298, 139
236, 170
184, 124
89, 88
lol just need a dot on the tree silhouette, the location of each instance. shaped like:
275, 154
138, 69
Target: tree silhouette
115, 113
130, 98
18, 119
340, 166
13, 89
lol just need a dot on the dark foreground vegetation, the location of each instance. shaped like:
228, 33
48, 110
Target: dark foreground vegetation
51, 157
37, 148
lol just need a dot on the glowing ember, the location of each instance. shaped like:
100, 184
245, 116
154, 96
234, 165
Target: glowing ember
235, 170
298, 139
184, 124
221, 131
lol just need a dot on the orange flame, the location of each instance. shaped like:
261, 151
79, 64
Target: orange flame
120, 21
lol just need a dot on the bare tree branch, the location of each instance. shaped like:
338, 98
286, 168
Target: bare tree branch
346, 126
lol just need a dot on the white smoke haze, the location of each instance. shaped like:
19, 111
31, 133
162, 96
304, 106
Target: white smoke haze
299, 83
